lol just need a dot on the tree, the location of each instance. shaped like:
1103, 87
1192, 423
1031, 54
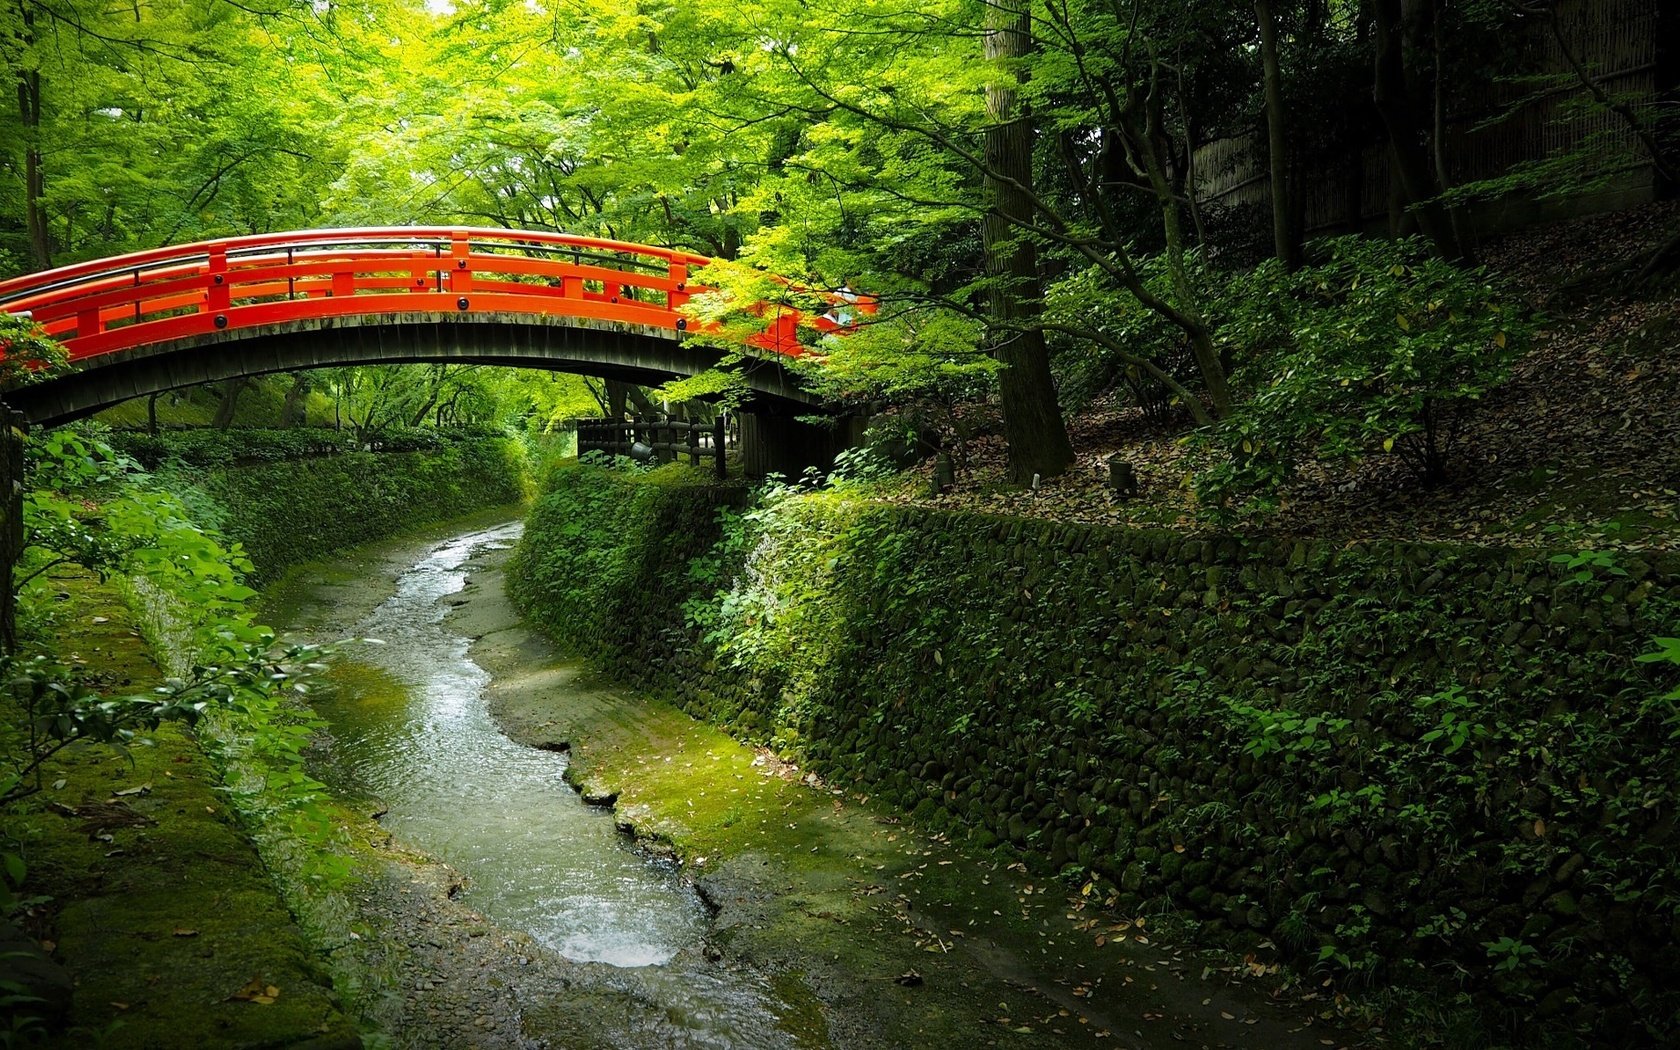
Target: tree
1399, 104
1032, 419
1285, 238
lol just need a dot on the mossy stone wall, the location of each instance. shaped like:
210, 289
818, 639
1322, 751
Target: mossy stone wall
299, 510
1427, 765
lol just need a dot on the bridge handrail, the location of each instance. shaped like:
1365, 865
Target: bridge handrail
200, 251
106, 306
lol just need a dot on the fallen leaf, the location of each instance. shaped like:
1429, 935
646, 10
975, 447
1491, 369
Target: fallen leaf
255, 991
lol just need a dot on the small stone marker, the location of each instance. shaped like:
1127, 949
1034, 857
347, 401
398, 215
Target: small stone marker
1121, 477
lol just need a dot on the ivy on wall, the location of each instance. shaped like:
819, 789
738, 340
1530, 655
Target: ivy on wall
1435, 766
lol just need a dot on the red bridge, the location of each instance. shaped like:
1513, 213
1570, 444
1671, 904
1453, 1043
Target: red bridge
151, 321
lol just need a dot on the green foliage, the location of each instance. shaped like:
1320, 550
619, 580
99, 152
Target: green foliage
1087, 300
286, 513
1377, 351
90, 506
249, 446
1509, 953
1369, 753
1588, 565
58, 711
1295, 737
231, 676
1460, 719
1666, 705
601, 547
27, 353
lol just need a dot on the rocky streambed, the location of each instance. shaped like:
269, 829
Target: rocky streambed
727, 898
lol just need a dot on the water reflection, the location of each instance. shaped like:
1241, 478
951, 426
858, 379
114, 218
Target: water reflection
537, 857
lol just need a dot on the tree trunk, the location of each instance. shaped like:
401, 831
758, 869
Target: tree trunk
1032, 418
229, 408
295, 409
1397, 105
639, 401
1285, 242
34, 178
1668, 85
1143, 129
11, 521
617, 392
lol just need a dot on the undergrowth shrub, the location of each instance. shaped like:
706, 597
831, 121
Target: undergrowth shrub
285, 513
1381, 349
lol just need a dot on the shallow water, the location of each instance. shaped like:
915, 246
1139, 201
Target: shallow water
414, 733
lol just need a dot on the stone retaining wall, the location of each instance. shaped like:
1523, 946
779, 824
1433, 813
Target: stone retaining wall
1433, 766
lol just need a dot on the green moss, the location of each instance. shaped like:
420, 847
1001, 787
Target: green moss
159, 907
287, 513
1288, 717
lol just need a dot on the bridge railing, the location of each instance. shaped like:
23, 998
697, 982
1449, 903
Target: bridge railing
666, 440
108, 305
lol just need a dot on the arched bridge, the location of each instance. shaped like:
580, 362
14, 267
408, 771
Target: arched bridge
157, 320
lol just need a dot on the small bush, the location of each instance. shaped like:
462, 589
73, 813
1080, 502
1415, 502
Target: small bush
1379, 350
247, 446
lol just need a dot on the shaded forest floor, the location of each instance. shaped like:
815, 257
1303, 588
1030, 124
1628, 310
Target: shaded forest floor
1580, 448
146, 892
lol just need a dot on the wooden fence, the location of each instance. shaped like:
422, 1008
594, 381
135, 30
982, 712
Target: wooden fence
664, 440
1616, 40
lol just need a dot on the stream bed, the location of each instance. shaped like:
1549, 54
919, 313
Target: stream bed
538, 859
495, 909
624, 935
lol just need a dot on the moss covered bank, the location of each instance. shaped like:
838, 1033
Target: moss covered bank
297, 510
1432, 767
148, 891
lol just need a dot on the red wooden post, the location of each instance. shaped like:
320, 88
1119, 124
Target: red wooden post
217, 298
677, 294
460, 270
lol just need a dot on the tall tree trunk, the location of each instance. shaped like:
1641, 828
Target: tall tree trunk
1285, 242
1143, 116
229, 408
1462, 233
1668, 86
295, 409
34, 177
1397, 105
12, 482
617, 392
1032, 418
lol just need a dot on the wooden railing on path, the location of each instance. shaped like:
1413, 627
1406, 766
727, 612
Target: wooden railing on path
665, 440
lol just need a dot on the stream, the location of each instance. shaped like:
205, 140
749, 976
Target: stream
538, 859
505, 912
411, 730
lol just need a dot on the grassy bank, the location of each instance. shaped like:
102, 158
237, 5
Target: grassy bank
153, 901
299, 510
1436, 768
143, 873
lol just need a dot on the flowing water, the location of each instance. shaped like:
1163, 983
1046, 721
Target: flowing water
538, 859
412, 730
